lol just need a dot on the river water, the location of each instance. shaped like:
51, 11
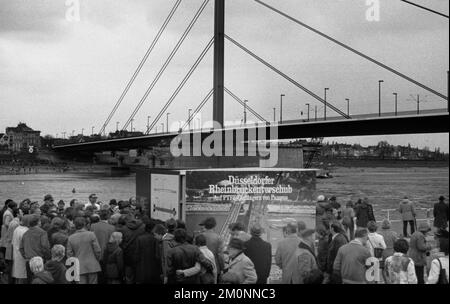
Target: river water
383, 186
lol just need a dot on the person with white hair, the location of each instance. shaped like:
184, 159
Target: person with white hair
40, 276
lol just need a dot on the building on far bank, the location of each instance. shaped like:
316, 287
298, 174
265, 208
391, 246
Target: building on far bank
22, 138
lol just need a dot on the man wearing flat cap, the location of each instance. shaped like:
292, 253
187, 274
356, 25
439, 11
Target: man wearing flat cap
418, 249
441, 214
305, 257
241, 269
260, 252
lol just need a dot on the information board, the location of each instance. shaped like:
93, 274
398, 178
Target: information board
164, 196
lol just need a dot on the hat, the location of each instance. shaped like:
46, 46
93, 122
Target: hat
424, 227
307, 232
48, 197
386, 225
93, 195
256, 230
237, 244
321, 198
208, 223
441, 198
333, 198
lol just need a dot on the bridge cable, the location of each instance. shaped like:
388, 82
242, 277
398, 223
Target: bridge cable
354, 51
164, 67
426, 8
141, 64
183, 82
287, 78
235, 97
199, 107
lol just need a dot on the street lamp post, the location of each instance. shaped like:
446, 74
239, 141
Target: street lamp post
82, 132
325, 108
132, 125
281, 108
308, 105
396, 103
348, 106
162, 127
379, 97
148, 123
167, 122
274, 114
189, 118
245, 112
315, 113
93, 131
418, 104
117, 126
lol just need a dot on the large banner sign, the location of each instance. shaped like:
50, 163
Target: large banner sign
268, 197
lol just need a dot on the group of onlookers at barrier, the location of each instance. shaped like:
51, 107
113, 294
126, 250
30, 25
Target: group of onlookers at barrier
117, 243
353, 250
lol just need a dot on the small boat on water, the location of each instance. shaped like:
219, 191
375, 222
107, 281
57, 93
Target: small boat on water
323, 174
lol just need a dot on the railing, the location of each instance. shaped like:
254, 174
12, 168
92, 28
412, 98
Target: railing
393, 215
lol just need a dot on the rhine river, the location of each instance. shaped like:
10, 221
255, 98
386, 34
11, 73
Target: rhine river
383, 186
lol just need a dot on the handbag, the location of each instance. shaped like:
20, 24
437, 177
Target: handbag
442, 275
377, 251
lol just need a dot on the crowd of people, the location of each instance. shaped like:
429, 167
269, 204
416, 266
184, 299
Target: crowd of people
350, 242
117, 243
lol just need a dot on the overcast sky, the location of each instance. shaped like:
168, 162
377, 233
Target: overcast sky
58, 75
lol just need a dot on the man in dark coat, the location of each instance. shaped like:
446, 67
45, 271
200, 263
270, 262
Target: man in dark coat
148, 257
260, 252
441, 214
103, 231
34, 243
338, 239
364, 214
131, 231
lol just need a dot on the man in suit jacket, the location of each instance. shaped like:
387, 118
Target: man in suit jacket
285, 257
260, 253
84, 246
103, 231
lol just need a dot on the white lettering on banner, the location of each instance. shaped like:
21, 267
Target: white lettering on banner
373, 273
73, 10
73, 270
373, 12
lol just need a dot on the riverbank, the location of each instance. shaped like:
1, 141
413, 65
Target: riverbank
54, 169
362, 163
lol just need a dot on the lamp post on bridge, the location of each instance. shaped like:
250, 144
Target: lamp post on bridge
82, 132
92, 134
379, 97
167, 121
117, 126
281, 108
245, 111
73, 133
308, 105
348, 106
274, 114
418, 104
189, 118
148, 123
315, 113
162, 127
396, 103
132, 125
325, 108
